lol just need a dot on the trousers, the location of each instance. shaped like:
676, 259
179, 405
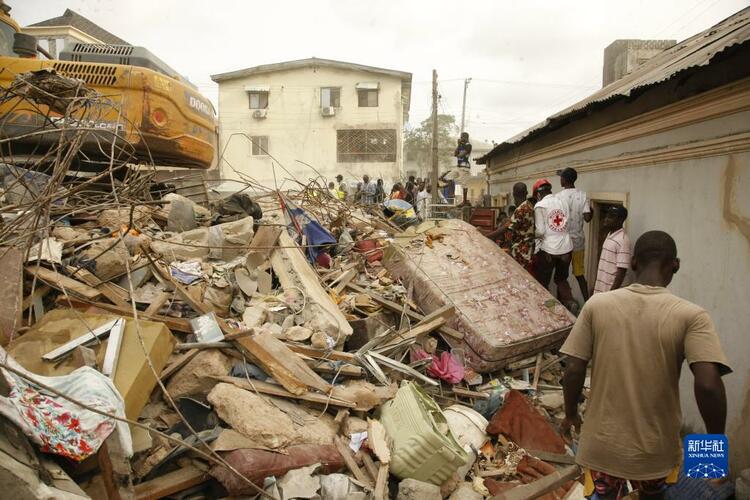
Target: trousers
547, 266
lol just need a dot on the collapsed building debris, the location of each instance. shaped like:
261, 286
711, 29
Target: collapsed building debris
288, 344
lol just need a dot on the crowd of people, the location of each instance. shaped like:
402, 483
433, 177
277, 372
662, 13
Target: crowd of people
417, 192
633, 335
545, 234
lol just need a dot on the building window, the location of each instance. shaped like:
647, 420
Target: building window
259, 145
367, 98
330, 97
366, 145
258, 100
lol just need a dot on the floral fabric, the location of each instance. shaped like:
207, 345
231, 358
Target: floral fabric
521, 234
58, 425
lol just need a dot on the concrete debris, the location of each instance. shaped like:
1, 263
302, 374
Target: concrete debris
300, 483
298, 334
465, 491
252, 416
244, 307
195, 376
411, 489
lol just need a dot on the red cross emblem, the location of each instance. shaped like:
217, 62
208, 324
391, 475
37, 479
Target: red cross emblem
557, 220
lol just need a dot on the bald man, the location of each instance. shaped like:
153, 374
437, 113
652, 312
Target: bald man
637, 339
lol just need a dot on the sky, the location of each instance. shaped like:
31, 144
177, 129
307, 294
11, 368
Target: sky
527, 60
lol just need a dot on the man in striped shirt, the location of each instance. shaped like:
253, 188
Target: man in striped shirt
615, 257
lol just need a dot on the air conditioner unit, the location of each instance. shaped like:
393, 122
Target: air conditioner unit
328, 111
259, 114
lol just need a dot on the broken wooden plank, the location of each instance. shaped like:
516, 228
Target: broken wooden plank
343, 280
60, 282
542, 485
346, 454
171, 482
11, 292
320, 354
282, 364
344, 370
400, 367
446, 330
537, 371
381, 483
466, 393
113, 292
277, 390
155, 306
174, 324
370, 466
262, 245
422, 328
298, 277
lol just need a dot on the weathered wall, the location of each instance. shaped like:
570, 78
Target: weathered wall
296, 129
700, 201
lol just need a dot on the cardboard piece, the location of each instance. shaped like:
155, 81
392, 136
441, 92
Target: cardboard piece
133, 377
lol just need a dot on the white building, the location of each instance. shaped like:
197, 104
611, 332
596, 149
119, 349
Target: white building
336, 117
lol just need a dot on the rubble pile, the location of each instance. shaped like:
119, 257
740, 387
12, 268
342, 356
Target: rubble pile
258, 345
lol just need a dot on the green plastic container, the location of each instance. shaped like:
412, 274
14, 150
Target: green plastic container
423, 446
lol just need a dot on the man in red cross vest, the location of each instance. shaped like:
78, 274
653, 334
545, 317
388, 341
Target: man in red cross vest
553, 242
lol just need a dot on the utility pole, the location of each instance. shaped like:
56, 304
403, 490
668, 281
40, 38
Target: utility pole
435, 197
463, 107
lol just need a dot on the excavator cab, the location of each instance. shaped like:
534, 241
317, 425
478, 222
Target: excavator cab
163, 119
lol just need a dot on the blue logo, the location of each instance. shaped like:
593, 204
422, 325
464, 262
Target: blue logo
706, 456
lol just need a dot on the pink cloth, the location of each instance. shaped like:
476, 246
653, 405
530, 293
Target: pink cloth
445, 367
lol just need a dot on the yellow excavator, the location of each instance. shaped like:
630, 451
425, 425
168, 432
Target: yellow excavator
149, 105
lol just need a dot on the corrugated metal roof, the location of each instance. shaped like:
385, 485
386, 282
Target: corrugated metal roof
698, 50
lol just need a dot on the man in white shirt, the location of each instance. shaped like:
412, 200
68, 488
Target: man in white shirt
579, 211
367, 193
423, 199
553, 241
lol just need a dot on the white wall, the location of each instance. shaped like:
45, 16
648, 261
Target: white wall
296, 129
702, 203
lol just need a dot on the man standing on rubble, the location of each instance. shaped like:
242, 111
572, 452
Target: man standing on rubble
579, 211
614, 260
367, 191
462, 151
521, 227
553, 241
637, 339
342, 186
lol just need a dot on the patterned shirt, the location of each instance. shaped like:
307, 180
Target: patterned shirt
615, 255
521, 233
